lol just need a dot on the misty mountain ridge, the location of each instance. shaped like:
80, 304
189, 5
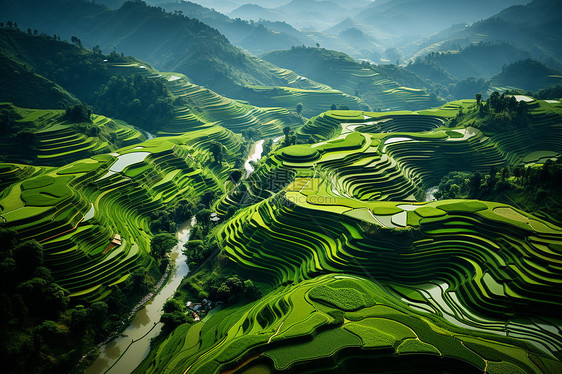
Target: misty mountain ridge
307, 15
482, 60
529, 75
256, 37
534, 27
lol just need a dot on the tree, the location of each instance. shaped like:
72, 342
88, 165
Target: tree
217, 150
78, 113
208, 197
493, 101
172, 320
28, 256
76, 41
299, 108
475, 180
333, 107
478, 100
267, 145
172, 306
224, 292
162, 243
287, 132
317, 45
203, 216
251, 291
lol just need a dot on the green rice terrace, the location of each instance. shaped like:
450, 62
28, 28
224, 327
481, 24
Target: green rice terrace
361, 272
358, 267
196, 107
46, 137
171, 203
75, 210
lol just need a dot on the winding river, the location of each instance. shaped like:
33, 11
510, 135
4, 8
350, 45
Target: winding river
255, 155
124, 353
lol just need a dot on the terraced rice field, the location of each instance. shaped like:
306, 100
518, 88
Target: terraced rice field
366, 275
58, 141
55, 205
375, 87
197, 107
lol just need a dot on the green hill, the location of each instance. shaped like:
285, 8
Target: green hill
167, 41
533, 27
24, 87
482, 60
47, 137
379, 86
528, 74
256, 37
129, 89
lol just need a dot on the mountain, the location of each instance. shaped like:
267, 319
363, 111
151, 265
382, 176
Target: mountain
426, 17
529, 75
380, 86
226, 6
482, 60
255, 12
167, 41
173, 42
21, 86
534, 27
303, 14
125, 88
256, 37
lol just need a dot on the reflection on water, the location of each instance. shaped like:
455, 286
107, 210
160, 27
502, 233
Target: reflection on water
124, 353
112, 351
141, 319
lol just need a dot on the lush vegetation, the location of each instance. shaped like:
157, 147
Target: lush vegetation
346, 207
381, 229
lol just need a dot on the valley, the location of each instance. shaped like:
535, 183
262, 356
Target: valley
197, 207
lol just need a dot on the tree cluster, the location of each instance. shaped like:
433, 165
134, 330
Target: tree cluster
175, 314
540, 185
162, 243
78, 113
290, 137
142, 101
165, 220
233, 289
500, 113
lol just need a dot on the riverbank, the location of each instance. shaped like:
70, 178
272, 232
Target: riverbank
116, 355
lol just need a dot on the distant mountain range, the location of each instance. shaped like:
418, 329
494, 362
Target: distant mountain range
169, 42
535, 28
188, 38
